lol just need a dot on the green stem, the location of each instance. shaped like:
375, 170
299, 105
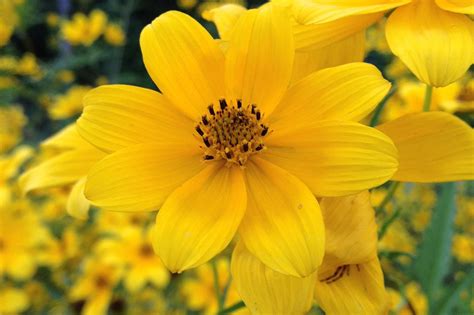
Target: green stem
215, 272
391, 191
388, 222
428, 96
380, 107
232, 308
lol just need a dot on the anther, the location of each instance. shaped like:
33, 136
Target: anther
199, 131
245, 147
258, 115
206, 142
211, 110
259, 147
208, 157
253, 109
204, 120
264, 130
223, 104
239, 103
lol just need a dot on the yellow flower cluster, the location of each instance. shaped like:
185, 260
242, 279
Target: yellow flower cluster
68, 104
12, 121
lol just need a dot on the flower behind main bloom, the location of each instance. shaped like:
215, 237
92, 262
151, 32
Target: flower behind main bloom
228, 146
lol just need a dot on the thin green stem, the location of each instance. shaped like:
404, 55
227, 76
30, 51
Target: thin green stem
388, 222
428, 97
380, 107
232, 308
391, 191
215, 272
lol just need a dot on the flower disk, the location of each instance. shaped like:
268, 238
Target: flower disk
232, 132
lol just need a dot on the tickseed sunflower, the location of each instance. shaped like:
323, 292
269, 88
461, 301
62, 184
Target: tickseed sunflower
229, 146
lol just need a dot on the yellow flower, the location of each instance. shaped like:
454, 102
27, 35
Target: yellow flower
28, 66
95, 286
397, 239
84, 30
235, 149
114, 35
69, 167
199, 292
52, 19
8, 21
66, 76
12, 121
133, 249
13, 301
433, 38
68, 104
463, 248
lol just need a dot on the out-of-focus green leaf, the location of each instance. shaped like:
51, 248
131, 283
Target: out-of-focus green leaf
448, 301
433, 257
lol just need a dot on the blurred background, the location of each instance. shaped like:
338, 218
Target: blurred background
52, 53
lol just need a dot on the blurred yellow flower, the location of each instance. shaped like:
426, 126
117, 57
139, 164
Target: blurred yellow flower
8, 20
52, 19
224, 155
68, 104
84, 30
397, 239
463, 248
12, 121
28, 66
186, 4
114, 35
66, 76
13, 301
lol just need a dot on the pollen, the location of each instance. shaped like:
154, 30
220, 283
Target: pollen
231, 131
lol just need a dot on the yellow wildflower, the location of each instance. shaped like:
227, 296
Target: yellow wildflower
186, 4
225, 150
114, 35
463, 248
8, 64
13, 300
12, 121
84, 30
8, 21
66, 76
52, 19
28, 66
68, 104
397, 239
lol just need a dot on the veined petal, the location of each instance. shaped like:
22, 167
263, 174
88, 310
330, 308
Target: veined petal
433, 147
66, 138
350, 49
140, 177
225, 17
351, 231
436, 45
347, 92
184, 61
259, 60
352, 289
334, 158
265, 291
458, 6
117, 116
320, 11
320, 35
283, 225
64, 169
200, 218
77, 204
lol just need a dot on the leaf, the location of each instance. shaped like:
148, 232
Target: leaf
434, 254
452, 293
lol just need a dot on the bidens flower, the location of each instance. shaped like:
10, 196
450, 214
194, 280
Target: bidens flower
228, 146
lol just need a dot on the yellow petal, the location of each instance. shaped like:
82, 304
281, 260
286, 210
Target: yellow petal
259, 60
13, 301
351, 231
64, 169
350, 49
140, 177
283, 225
433, 147
458, 6
225, 17
334, 158
184, 61
265, 291
436, 45
320, 35
200, 218
77, 204
117, 116
347, 92
320, 11
354, 289
66, 138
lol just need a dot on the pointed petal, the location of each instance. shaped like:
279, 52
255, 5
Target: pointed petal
140, 177
433, 147
64, 169
436, 45
260, 57
117, 116
457, 6
77, 204
334, 158
265, 291
200, 218
225, 17
347, 92
283, 226
351, 231
347, 50
184, 61
66, 138
359, 291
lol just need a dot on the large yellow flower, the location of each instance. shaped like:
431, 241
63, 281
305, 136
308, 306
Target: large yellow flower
433, 38
228, 146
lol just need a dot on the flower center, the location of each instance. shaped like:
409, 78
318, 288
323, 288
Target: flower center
232, 132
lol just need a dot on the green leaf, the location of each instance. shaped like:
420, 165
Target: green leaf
434, 254
452, 293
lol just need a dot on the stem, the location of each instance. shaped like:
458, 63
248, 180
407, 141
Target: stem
391, 191
380, 107
215, 272
232, 308
388, 222
428, 96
